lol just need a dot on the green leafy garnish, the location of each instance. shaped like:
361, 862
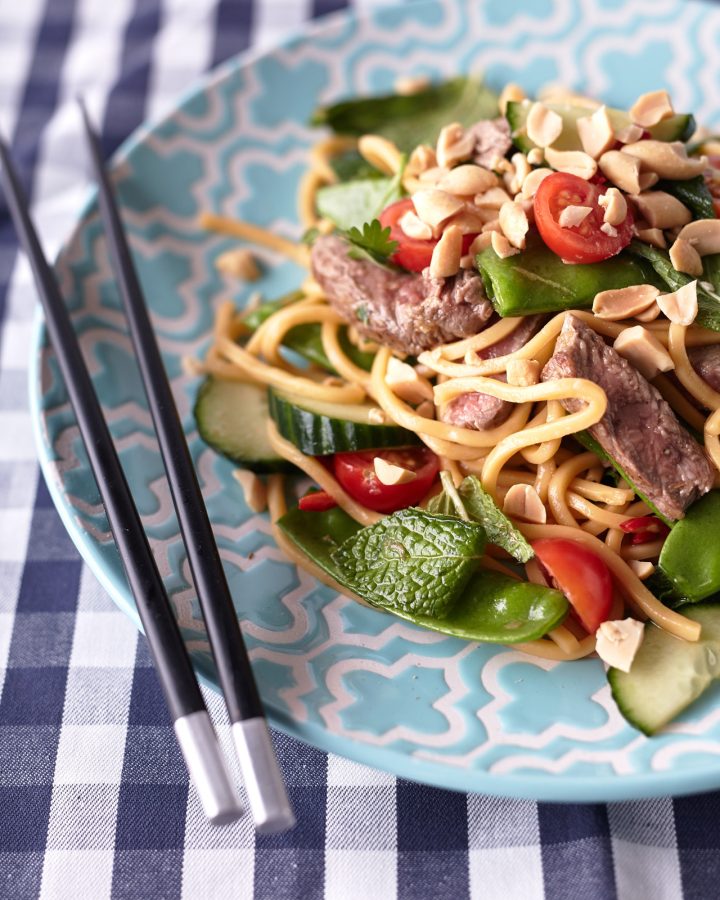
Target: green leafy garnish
693, 192
412, 561
352, 203
500, 530
708, 287
413, 119
448, 502
372, 243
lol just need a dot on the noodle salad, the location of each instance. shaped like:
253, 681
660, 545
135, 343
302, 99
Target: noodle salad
501, 374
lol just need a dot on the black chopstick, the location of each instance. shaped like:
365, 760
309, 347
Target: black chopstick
194, 730
266, 790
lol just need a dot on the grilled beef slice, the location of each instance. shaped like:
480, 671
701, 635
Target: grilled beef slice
407, 312
639, 429
482, 411
492, 141
706, 362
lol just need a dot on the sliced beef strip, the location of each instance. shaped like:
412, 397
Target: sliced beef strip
492, 140
706, 362
639, 429
483, 411
407, 312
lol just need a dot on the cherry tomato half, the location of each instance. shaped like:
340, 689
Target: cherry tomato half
316, 501
581, 575
412, 254
583, 243
356, 473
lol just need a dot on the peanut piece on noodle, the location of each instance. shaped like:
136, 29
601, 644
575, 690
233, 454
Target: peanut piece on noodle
641, 567
522, 501
389, 474
523, 372
238, 263
680, 307
644, 351
685, 258
404, 381
624, 303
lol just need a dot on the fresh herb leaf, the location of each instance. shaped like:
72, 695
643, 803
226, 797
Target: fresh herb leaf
448, 502
362, 314
693, 192
708, 299
351, 165
372, 243
414, 119
257, 316
411, 561
353, 203
499, 529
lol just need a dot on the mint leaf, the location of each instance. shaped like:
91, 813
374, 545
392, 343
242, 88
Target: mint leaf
448, 502
412, 561
500, 531
413, 119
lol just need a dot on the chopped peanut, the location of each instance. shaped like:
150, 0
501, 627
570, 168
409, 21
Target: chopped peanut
501, 245
704, 235
571, 216
650, 314
662, 210
685, 258
454, 145
596, 133
535, 156
467, 180
629, 134
389, 474
644, 351
435, 207
680, 307
641, 567
480, 243
622, 170
624, 303
514, 223
615, 206
523, 372
651, 108
608, 229
533, 181
666, 159
652, 236
414, 227
404, 381
574, 162
543, 125
522, 501
493, 199
446, 253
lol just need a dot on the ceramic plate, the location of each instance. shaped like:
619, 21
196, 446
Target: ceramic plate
337, 675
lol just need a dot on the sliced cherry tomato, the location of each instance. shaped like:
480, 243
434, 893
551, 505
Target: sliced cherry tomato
412, 253
316, 501
583, 243
356, 473
645, 525
581, 575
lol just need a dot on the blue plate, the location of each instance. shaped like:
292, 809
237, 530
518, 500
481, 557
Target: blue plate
335, 674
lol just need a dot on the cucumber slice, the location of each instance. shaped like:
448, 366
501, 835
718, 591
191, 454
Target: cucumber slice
676, 128
320, 428
232, 417
668, 674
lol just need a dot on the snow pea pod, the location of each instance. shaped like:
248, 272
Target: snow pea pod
492, 608
537, 280
690, 556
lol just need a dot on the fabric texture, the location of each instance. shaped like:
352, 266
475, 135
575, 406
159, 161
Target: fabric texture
94, 798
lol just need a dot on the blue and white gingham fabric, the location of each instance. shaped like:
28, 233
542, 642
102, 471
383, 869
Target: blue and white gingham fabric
94, 799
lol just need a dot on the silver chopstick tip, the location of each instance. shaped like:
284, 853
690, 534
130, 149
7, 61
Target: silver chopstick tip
264, 783
206, 767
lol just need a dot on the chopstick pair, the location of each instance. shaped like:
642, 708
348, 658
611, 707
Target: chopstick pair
195, 733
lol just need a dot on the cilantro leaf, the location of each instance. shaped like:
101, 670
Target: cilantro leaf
372, 243
411, 561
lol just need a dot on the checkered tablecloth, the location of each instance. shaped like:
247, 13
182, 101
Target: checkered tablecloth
94, 799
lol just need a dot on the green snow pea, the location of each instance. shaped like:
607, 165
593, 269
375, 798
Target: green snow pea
537, 280
492, 607
690, 557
